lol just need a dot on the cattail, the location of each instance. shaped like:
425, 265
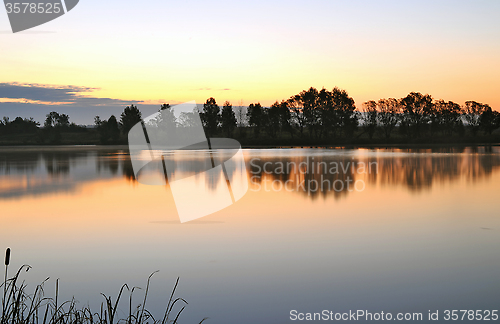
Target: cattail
7, 257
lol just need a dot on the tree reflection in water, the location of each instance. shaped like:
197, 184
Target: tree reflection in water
42, 170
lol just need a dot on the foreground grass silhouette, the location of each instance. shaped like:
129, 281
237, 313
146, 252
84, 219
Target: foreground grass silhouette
20, 307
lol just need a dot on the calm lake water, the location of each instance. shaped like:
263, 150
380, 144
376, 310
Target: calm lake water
393, 230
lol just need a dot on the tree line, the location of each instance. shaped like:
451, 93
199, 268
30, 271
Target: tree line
418, 115
312, 115
323, 114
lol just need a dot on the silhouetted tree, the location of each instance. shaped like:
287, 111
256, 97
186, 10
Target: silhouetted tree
449, 116
312, 115
255, 115
285, 118
54, 119
130, 116
278, 118
18, 126
210, 116
472, 113
416, 111
272, 120
228, 118
329, 119
344, 108
113, 128
388, 115
51, 119
102, 128
296, 107
52, 126
489, 120
109, 130
323, 112
62, 120
369, 117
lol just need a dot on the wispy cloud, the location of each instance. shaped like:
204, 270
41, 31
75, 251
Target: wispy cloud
210, 89
45, 94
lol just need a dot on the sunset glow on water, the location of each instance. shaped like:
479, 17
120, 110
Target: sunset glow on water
422, 234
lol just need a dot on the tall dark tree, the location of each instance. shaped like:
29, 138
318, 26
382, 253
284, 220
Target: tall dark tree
210, 116
285, 117
272, 120
344, 108
298, 117
130, 116
448, 116
309, 101
53, 125
51, 119
109, 131
62, 120
102, 129
113, 128
97, 121
329, 118
472, 114
388, 115
417, 109
279, 118
369, 117
489, 120
228, 118
255, 116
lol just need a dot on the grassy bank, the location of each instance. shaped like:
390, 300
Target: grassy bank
22, 307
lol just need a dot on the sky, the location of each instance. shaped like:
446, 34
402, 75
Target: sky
104, 55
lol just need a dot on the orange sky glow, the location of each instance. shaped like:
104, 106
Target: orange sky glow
243, 53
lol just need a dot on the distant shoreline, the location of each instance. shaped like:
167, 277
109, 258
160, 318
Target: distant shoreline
67, 146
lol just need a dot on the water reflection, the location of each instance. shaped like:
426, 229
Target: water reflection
413, 169
47, 170
420, 172
387, 248
311, 172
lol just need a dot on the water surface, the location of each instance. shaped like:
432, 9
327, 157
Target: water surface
418, 232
